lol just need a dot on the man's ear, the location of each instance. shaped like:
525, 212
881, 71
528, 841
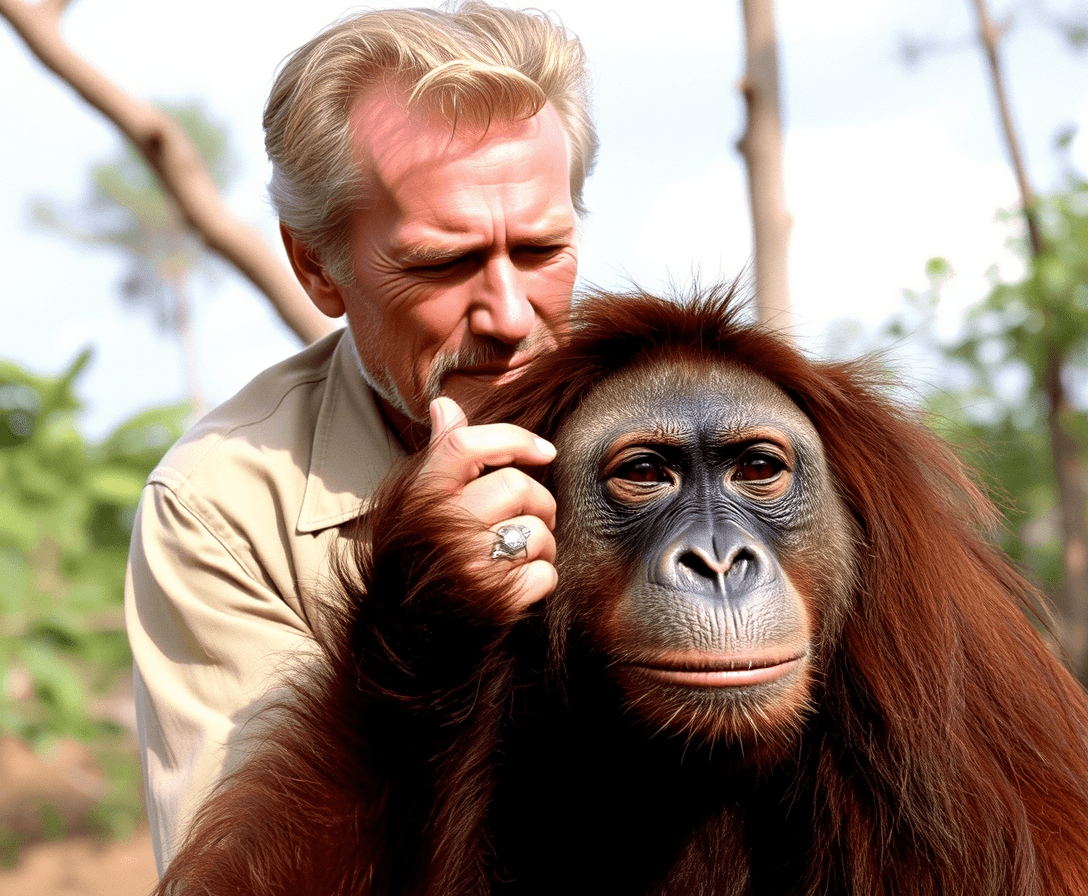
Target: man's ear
311, 274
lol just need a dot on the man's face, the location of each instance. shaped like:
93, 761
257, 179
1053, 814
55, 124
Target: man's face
465, 262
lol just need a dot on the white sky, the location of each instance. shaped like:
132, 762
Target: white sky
886, 164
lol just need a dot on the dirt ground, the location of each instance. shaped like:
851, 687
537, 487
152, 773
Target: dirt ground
83, 866
69, 781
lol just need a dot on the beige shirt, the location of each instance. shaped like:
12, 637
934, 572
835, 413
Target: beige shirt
230, 549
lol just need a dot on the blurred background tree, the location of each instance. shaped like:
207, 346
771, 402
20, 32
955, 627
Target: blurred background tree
995, 402
126, 210
67, 505
66, 511
1034, 329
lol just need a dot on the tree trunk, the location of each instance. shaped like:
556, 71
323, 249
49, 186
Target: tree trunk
761, 147
176, 162
183, 327
1072, 601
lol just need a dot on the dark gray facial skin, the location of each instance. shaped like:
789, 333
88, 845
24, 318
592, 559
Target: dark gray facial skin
710, 489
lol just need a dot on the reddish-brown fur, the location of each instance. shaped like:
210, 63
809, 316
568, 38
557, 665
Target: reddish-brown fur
948, 753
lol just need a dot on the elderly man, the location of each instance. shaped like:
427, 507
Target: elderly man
427, 171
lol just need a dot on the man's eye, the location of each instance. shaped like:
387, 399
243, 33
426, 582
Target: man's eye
758, 468
441, 267
537, 253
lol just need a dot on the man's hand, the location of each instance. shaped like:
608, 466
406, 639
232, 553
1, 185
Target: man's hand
503, 496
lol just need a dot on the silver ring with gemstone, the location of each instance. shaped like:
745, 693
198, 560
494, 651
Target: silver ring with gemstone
512, 540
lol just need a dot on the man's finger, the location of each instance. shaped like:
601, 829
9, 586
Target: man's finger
446, 414
536, 580
506, 493
460, 453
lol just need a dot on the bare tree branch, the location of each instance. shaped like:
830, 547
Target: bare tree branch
991, 34
761, 147
1069, 473
177, 163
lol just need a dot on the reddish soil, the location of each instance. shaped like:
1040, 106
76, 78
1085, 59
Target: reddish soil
83, 866
67, 780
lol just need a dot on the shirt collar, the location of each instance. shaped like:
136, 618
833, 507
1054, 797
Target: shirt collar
352, 448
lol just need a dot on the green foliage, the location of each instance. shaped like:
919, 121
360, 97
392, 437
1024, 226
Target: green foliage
66, 511
997, 374
1020, 321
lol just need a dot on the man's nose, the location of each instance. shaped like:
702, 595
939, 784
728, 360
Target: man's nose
500, 306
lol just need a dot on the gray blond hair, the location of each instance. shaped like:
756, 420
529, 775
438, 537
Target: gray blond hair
469, 61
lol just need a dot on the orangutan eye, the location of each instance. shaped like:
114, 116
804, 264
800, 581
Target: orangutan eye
645, 468
758, 467
641, 477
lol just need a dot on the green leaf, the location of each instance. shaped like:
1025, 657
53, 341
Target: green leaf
116, 485
938, 269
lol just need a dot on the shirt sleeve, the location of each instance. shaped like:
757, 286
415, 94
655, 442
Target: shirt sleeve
210, 636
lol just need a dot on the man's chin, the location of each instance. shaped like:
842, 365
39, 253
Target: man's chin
473, 390
470, 396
